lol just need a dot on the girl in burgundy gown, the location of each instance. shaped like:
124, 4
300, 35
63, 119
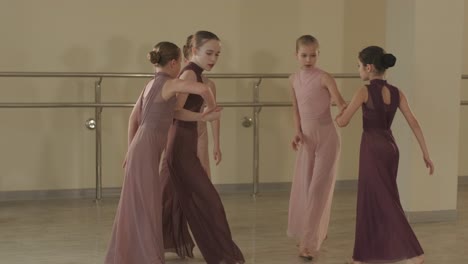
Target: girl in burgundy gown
193, 196
177, 237
202, 151
383, 234
137, 235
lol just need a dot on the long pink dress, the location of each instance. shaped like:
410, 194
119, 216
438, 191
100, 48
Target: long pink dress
202, 147
137, 235
316, 162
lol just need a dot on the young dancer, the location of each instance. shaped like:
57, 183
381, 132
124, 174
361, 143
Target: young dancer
318, 147
383, 234
137, 235
202, 149
196, 195
177, 238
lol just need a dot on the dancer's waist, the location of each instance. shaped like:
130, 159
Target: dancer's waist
314, 115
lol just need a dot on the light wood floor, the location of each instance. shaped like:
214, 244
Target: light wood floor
77, 231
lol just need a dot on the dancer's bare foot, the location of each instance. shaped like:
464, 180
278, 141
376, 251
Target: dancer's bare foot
305, 254
418, 260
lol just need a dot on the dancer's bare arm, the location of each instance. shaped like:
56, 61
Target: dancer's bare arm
329, 82
359, 98
417, 131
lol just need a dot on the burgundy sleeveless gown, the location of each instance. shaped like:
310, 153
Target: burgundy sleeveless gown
383, 233
192, 197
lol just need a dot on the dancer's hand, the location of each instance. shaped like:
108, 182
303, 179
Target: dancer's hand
297, 141
217, 155
124, 164
345, 105
429, 164
211, 114
338, 116
341, 111
294, 145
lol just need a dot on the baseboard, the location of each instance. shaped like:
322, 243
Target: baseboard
115, 192
222, 188
432, 216
248, 187
346, 185
277, 187
57, 194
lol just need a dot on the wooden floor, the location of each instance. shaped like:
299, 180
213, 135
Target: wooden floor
77, 231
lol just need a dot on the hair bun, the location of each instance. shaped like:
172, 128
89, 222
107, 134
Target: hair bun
154, 57
388, 60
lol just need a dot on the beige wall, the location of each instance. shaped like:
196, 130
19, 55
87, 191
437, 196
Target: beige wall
433, 91
51, 148
463, 151
362, 28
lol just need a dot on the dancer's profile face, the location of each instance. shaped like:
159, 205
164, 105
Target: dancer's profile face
364, 71
307, 55
186, 61
207, 55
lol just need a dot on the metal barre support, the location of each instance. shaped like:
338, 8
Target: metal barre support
256, 138
97, 115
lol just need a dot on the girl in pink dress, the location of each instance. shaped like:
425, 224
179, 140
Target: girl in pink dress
318, 146
137, 235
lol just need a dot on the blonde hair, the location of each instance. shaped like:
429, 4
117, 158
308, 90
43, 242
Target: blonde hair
305, 40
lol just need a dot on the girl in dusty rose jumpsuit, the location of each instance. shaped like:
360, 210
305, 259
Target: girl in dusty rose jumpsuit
137, 235
318, 147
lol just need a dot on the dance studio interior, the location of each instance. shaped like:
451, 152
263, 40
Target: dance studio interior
71, 72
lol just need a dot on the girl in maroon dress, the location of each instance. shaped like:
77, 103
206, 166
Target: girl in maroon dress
194, 198
383, 234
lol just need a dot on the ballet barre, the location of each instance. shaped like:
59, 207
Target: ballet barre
98, 105
129, 104
150, 75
